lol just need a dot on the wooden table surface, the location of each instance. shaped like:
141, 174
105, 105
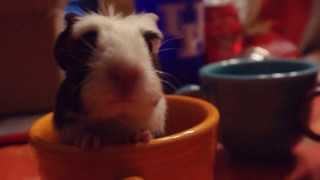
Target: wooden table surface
17, 162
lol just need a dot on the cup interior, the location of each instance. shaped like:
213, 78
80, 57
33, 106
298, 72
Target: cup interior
237, 68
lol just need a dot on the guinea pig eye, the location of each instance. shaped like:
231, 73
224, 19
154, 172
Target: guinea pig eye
153, 41
74, 54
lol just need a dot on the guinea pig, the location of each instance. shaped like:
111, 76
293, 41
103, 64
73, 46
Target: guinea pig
111, 93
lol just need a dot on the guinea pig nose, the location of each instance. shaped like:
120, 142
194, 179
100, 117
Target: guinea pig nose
124, 79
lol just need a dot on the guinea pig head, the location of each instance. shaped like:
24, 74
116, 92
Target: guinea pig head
117, 53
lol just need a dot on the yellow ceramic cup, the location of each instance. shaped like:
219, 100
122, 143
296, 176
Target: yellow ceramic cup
186, 153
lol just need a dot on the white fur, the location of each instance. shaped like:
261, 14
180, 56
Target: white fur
156, 124
120, 44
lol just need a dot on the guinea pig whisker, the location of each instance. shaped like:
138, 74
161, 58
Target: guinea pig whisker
164, 73
167, 49
170, 39
72, 55
168, 75
171, 85
93, 50
68, 53
79, 86
84, 82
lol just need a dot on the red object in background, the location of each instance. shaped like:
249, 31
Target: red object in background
223, 32
18, 138
288, 21
289, 17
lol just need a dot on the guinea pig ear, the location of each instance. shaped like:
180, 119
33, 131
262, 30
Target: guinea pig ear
73, 54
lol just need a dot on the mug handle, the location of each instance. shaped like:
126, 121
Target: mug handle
133, 178
305, 115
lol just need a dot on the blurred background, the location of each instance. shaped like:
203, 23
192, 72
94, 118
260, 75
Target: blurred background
196, 32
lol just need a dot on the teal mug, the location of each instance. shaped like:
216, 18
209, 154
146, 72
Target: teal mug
264, 105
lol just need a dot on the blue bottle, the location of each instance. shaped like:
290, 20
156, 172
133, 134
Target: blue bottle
182, 52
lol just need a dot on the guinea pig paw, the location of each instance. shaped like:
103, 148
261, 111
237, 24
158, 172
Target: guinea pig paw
89, 142
143, 136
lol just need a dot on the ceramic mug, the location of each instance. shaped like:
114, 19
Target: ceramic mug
264, 105
187, 152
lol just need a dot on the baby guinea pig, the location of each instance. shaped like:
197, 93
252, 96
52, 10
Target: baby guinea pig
111, 93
